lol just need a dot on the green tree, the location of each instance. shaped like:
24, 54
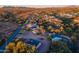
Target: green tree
60, 47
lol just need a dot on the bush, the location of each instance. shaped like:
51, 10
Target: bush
59, 47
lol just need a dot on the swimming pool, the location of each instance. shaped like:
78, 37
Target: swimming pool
56, 37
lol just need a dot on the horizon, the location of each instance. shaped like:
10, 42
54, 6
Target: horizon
41, 6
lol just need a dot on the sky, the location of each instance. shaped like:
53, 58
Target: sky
39, 6
45, 6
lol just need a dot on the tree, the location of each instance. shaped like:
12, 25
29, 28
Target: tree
60, 47
19, 46
66, 20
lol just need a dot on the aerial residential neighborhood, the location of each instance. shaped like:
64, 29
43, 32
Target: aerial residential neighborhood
39, 30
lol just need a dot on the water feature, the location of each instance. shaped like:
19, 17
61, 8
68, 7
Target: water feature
56, 38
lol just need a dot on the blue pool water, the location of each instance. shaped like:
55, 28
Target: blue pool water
64, 39
56, 38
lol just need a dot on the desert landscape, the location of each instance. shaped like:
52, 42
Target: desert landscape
39, 30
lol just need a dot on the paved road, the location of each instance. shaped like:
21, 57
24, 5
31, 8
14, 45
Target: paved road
45, 43
10, 39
